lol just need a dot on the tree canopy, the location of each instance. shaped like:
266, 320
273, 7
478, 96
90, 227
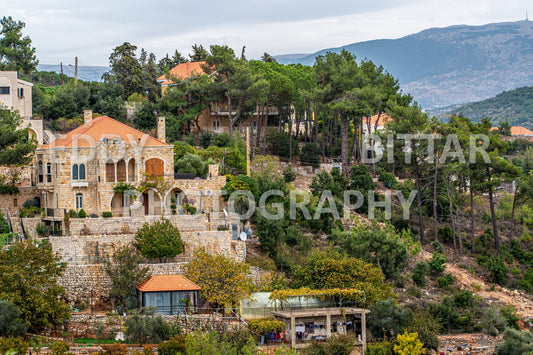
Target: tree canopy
16, 52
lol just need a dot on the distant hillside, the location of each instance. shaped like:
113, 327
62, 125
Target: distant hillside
515, 105
453, 65
86, 73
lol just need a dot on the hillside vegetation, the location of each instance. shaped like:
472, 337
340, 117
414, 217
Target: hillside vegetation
515, 105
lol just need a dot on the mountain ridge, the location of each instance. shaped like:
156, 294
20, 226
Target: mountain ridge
444, 66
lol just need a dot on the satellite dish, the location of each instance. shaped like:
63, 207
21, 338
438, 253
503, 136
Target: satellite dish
248, 232
207, 192
243, 236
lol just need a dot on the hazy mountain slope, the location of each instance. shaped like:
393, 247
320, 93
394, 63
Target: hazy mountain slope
457, 64
516, 105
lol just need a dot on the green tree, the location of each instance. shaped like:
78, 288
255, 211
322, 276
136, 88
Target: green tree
515, 342
223, 280
126, 274
15, 148
326, 269
199, 53
125, 69
147, 327
10, 322
159, 241
190, 163
16, 52
28, 280
409, 344
387, 319
379, 244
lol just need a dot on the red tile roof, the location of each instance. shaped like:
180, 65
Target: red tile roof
183, 71
383, 119
102, 127
520, 131
168, 283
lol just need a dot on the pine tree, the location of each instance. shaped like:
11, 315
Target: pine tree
16, 52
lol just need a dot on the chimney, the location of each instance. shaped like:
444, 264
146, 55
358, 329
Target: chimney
88, 117
161, 132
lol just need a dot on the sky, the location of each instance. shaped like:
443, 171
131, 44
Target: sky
63, 29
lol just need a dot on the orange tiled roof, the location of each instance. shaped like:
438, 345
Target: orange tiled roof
102, 127
385, 117
515, 130
168, 283
519, 131
183, 71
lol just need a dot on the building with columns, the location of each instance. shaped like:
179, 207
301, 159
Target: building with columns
81, 170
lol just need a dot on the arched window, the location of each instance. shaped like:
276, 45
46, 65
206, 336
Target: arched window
75, 172
79, 200
82, 171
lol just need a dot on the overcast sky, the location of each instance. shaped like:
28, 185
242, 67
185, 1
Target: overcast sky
63, 29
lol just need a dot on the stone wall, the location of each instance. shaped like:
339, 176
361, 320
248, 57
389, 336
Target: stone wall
81, 282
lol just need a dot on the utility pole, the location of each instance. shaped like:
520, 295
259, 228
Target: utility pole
76, 71
61, 64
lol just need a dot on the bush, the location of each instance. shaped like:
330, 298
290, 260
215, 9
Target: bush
146, 328
206, 138
41, 230
289, 174
436, 264
18, 345
172, 346
420, 272
380, 348
107, 214
114, 349
388, 179
193, 164
445, 234
82, 214
446, 280
426, 326
222, 140
10, 323
310, 155
515, 342
60, 348
280, 145
492, 321
73, 214
339, 345
409, 344
495, 266
387, 319
159, 241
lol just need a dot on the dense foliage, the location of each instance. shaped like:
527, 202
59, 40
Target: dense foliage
160, 240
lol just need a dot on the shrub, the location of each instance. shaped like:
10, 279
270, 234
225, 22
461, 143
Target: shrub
82, 214
509, 313
420, 272
495, 266
93, 215
310, 155
380, 348
159, 241
172, 346
114, 349
339, 345
388, 179
492, 321
445, 234
436, 264
73, 214
280, 145
18, 345
206, 138
60, 348
41, 229
146, 328
107, 214
409, 344
10, 323
387, 319
446, 280
289, 174
193, 164
515, 342
427, 327
222, 140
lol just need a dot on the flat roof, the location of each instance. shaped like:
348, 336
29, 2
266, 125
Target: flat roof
319, 312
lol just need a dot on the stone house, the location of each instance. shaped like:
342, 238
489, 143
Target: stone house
82, 169
15, 93
215, 117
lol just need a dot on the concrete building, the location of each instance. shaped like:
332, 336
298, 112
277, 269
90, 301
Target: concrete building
15, 93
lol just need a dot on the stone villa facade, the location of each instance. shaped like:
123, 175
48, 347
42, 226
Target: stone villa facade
15, 93
81, 169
